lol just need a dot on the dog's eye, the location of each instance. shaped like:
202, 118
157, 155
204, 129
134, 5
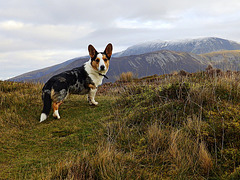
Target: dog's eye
97, 60
105, 60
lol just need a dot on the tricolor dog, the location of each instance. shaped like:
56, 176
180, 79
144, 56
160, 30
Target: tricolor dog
81, 80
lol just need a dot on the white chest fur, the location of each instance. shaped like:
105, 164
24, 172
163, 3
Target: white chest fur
93, 74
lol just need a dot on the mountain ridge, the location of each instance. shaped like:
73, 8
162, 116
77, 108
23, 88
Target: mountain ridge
152, 62
197, 46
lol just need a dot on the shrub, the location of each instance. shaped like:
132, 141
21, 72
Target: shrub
126, 77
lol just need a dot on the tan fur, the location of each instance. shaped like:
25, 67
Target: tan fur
53, 96
92, 86
56, 105
106, 61
95, 64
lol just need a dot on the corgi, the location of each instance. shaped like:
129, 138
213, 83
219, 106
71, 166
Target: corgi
81, 80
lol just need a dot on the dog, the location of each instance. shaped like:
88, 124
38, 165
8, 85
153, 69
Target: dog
81, 80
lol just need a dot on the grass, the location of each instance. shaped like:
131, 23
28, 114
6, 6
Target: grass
30, 148
161, 127
126, 77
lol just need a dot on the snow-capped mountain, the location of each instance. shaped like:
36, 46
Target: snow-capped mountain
160, 62
197, 46
156, 57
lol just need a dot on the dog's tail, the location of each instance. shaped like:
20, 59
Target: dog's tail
47, 103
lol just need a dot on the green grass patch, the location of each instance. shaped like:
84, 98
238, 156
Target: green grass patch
179, 127
29, 148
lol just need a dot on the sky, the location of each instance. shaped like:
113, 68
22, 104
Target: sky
35, 34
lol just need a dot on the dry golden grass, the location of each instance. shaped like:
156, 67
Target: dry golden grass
156, 138
75, 167
205, 160
126, 77
172, 127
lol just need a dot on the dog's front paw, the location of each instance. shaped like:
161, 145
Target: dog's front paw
93, 103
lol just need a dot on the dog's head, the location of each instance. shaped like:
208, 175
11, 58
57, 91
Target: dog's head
100, 61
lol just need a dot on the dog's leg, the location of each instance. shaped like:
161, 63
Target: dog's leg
55, 109
91, 95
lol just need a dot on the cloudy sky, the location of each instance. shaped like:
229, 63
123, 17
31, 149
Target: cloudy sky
39, 33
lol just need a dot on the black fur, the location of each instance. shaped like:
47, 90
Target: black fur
47, 101
75, 81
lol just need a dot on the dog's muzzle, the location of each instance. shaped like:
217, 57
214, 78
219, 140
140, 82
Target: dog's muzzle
102, 68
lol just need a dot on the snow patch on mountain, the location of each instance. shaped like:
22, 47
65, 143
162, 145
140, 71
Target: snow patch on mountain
197, 46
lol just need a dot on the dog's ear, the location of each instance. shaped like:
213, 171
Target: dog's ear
92, 51
108, 50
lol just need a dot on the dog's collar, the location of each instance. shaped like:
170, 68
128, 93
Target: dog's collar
103, 75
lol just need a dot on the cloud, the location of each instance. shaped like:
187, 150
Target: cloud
37, 33
19, 62
40, 36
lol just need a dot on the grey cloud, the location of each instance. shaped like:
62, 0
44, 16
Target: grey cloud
47, 27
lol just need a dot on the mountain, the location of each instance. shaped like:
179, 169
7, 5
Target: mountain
42, 72
159, 62
224, 59
155, 58
197, 46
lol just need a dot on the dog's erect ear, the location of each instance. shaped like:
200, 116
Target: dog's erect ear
92, 51
108, 50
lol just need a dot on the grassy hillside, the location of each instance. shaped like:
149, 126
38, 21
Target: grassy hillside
224, 59
161, 127
29, 149
224, 53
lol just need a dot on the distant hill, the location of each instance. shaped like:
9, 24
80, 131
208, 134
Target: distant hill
224, 59
37, 74
159, 62
156, 58
197, 46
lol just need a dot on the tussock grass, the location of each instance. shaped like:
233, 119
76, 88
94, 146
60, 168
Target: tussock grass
126, 77
181, 126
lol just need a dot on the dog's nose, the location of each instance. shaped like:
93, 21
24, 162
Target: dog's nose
102, 67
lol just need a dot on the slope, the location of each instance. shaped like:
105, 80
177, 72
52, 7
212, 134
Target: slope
196, 46
29, 149
30, 76
224, 59
162, 127
160, 62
